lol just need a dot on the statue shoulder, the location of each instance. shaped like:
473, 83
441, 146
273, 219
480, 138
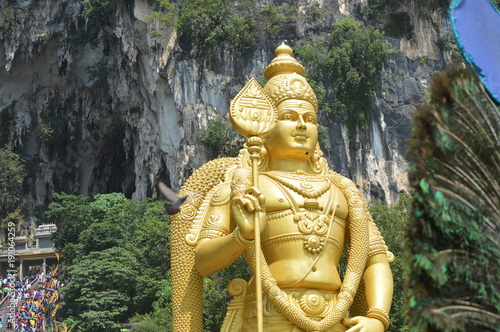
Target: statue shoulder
202, 184
214, 183
187, 282
340, 181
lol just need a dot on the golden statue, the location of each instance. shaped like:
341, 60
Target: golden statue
291, 217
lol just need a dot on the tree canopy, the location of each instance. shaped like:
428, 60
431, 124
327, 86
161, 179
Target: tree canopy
116, 253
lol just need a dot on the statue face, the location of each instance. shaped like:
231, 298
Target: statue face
296, 133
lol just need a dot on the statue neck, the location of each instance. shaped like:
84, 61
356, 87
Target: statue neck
288, 165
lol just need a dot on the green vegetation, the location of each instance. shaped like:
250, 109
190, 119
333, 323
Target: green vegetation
98, 74
355, 56
6, 20
6, 122
164, 13
117, 261
116, 254
392, 221
219, 138
206, 25
279, 19
97, 14
375, 7
447, 44
351, 60
12, 173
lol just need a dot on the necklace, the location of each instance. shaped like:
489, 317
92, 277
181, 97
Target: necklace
298, 176
305, 188
311, 221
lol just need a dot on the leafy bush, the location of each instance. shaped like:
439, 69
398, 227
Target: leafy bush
106, 240
279, 18
351, 61
205, 25
6, 122
165, 13
12, 173
6, 20
375, 7
97, 14
356, 55
217, 137
392, 221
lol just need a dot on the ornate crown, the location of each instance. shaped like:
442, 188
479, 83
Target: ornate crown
285, 80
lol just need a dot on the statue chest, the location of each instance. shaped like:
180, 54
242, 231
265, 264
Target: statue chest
300, 214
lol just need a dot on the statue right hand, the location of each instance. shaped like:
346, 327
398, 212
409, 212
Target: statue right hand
243, 209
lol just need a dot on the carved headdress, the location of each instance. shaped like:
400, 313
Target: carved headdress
286, 80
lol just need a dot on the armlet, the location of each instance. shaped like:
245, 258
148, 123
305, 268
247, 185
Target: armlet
210, 221
376, 246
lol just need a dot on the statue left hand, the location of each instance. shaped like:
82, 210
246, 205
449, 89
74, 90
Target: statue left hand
363, 324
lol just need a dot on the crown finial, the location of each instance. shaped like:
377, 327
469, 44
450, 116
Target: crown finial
283, 63
285, 78
283, 48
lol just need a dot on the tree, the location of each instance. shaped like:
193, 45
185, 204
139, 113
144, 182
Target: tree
101, 288
392, 222
206, 24
218, 136
116, 253
356, 54
350, 60
12, 173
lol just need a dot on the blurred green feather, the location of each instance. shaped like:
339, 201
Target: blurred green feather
452, 243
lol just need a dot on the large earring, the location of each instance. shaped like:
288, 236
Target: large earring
317, 163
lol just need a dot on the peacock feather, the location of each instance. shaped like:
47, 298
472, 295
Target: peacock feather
452, 244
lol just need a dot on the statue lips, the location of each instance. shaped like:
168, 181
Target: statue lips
300, 136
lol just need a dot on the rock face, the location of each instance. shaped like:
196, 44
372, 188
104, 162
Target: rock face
120, 113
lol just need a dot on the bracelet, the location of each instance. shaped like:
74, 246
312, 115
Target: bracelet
381, 315
240, 240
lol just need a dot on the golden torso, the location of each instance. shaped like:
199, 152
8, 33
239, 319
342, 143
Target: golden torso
302, 243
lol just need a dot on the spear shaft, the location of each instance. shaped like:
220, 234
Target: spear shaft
254, 145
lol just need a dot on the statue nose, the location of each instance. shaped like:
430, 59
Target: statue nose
300, 122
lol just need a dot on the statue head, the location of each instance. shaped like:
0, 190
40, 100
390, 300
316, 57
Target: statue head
295, 136
285, 79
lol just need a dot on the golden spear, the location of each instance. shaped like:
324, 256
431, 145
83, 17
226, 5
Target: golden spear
254, 116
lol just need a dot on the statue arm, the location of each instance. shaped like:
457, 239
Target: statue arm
377, 278
378, 283
224, 237
378, 287
216, 248
213, 255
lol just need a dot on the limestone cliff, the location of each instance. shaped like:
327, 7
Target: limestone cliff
121, 111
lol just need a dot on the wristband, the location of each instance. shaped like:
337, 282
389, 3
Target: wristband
380, 315
240, 240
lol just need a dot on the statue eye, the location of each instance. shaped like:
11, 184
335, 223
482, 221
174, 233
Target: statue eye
287, 117
311, 119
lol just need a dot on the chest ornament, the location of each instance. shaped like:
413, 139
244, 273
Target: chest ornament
312, 221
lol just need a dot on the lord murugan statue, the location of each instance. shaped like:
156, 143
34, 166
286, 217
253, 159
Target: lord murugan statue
280, 205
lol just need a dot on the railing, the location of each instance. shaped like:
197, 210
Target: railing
4, 250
